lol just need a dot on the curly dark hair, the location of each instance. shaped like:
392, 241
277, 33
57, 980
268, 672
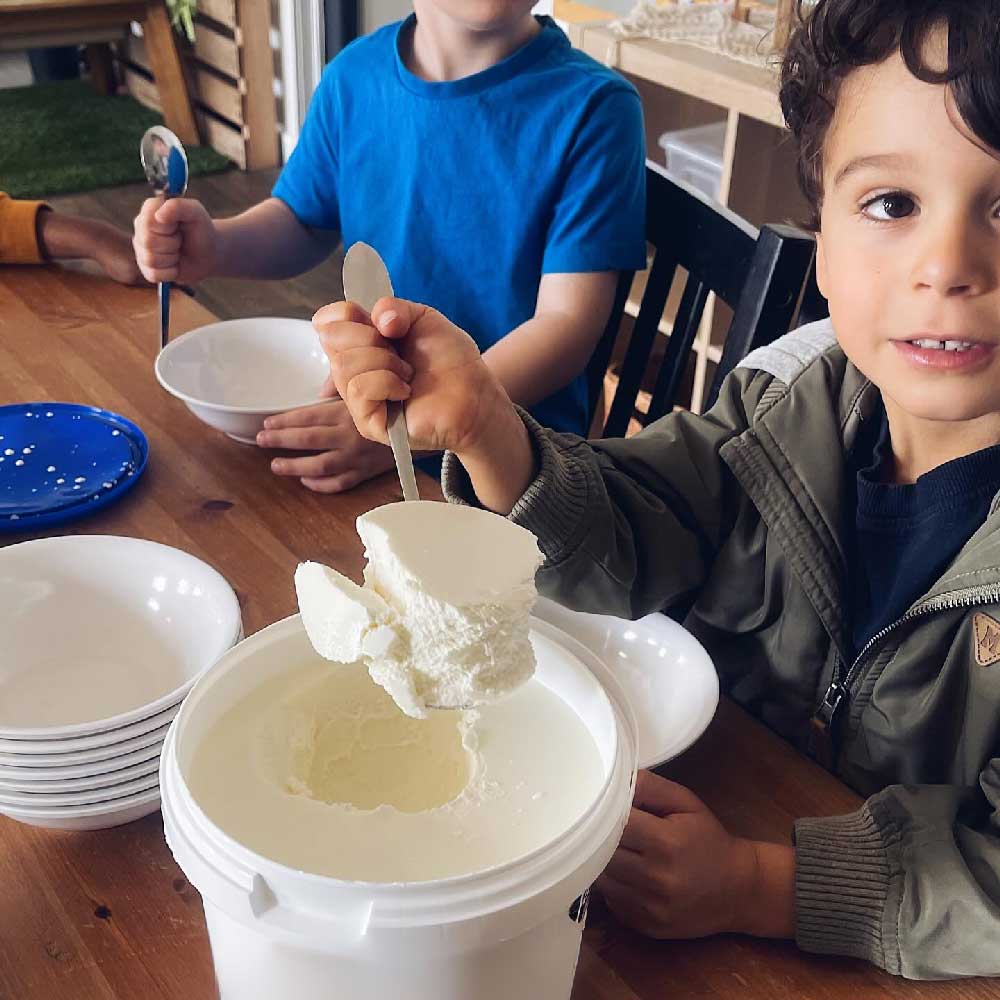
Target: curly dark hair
838, 36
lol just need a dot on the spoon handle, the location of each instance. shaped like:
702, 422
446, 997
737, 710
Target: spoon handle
163, 291
400, 442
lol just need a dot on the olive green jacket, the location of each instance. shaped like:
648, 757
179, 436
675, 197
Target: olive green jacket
737, 520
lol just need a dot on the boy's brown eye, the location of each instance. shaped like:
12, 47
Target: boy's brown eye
889, 206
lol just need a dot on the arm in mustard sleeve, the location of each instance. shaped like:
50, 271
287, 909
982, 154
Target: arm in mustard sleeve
910, 882
631, 526
18, 231
31, 232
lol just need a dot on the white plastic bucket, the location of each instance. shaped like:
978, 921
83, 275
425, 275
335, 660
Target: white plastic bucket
509, 933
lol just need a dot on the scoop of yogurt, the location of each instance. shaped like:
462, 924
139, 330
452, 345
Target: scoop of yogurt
442, 618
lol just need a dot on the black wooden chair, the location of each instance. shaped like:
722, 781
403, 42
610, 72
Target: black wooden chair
760, 275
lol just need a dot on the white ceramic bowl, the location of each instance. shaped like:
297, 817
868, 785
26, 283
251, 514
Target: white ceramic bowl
666, 672
97, 816
85, 797
232, 375
83, 783
105, 738
106, 758
63, 772
101, 632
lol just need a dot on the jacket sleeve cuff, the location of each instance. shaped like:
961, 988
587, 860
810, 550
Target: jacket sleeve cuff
18, 233
554, 505
846, 870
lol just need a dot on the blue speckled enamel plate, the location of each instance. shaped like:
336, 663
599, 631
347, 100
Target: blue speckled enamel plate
60, 461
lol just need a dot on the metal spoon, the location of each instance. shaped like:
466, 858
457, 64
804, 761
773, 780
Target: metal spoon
166, 166
366, 280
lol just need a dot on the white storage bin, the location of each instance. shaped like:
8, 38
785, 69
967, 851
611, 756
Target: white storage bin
695, 155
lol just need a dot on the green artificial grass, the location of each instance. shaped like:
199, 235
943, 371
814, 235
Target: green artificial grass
62, 138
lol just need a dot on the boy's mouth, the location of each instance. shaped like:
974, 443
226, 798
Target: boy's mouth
928, 344
947, 354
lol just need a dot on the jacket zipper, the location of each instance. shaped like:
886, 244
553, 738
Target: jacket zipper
840, 688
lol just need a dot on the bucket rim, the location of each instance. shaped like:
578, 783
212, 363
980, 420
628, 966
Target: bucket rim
530, 871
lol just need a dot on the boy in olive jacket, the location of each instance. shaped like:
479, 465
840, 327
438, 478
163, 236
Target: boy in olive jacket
831, 528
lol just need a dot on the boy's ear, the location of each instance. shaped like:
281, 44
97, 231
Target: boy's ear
821, 272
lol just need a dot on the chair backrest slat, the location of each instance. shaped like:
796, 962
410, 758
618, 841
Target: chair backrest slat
689, 313
601, 357
647, 326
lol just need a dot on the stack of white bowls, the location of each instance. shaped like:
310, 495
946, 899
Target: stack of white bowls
103, 638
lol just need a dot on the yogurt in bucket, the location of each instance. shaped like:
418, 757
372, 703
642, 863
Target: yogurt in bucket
346, 850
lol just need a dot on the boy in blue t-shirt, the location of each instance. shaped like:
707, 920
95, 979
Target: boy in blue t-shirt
509, 196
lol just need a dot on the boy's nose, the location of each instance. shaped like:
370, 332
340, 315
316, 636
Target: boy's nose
958, 261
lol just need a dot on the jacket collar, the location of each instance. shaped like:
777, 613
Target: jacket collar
792, 462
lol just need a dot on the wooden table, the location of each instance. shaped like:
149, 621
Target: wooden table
108, 915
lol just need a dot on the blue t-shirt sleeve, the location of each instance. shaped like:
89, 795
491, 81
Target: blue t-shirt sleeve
308, 182
599, 219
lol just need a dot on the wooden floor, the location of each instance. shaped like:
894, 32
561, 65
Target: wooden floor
224, 195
